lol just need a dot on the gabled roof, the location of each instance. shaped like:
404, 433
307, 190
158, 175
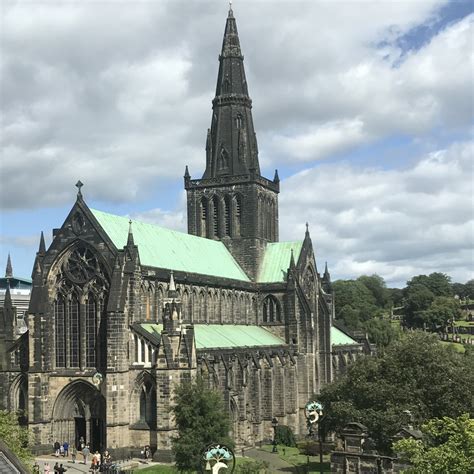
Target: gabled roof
213, 336
339, 338
276, 261
164, 248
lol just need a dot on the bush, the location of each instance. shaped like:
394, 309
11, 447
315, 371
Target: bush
311, 448
285, 436
252, 466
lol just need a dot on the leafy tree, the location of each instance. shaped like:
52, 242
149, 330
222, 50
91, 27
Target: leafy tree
415, 373
376, 285
381, 331
200, 420
442, 310
448, 446
469, 289
459, 289
396, 296
419, 299
354, 303
15, 436
438, 283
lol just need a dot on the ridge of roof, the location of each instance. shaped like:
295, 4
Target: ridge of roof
160, 247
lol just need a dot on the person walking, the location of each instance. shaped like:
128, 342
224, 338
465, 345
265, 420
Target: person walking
66, 448
56, 468
47, 468
85, 452
73, 454
61, 469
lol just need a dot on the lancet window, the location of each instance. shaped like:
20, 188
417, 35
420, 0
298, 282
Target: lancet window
271, 310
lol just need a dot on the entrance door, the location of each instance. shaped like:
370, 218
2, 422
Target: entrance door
80, 431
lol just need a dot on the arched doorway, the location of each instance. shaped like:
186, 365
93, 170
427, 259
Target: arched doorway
79, 412
19, 399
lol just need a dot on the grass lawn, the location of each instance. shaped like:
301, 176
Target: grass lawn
463, 323
293, 456
455, 345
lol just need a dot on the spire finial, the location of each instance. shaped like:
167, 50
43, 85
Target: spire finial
230, 8
9, 268
42, 245
79, 185
276, 178
172, 286
186, 172
130, 241
307, 228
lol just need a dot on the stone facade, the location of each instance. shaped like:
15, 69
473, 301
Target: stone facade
91, 367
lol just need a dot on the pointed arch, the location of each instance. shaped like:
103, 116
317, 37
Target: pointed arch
271, 310
203, 217
227, 216
215, 216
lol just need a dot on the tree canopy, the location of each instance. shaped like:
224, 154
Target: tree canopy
200, 420
448, 446
15, 436
416, 373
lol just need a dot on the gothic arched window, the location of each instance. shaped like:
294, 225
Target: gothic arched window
238, 215
271, 310
147, 403
81, 286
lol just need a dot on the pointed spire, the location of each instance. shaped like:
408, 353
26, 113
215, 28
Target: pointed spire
42, 245
231, 146
7, 302
171, 286
326, 268
292, 260
130, 241
9, 268
306, 234
276, 178
186, 173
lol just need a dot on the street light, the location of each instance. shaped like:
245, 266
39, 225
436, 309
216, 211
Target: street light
314, 416
275, 426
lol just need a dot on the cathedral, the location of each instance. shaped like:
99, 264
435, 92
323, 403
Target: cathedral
121, 311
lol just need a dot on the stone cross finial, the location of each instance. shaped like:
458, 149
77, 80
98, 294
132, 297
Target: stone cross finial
79, 185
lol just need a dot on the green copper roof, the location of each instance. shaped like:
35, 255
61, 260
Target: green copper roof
277, 260
338, 338
165, 248
213, 336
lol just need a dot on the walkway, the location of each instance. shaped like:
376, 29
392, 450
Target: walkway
276, 464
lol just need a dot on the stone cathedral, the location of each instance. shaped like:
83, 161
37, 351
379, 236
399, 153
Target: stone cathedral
121, 311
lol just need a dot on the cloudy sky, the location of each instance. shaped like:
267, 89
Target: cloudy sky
365, 108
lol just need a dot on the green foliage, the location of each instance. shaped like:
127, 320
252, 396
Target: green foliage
200, 420
396, 296
418, 300
415, 373
438, 283
285, 436
376, 285
442, 310
15, 436
251, 466
355, 303
448, 446
381, 331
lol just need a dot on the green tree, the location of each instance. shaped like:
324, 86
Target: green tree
15, 436
376, 285
469, 289
396, 296
415, 373
200, 420
459, 289
418, 300
442, 310
381, 331
448, 446
438, 283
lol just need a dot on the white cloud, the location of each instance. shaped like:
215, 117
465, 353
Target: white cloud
397, 223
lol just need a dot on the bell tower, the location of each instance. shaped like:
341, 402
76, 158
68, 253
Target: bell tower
232, 201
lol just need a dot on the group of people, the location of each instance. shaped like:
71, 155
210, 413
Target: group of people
99, 462
57, 469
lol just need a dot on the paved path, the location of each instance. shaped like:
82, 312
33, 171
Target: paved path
276, 464
78, 466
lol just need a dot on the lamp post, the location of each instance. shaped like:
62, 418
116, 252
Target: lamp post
275, 426
314, 416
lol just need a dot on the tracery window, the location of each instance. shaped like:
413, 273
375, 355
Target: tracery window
148, 404
203, 217
78, 306
238, 215
309, 283
227, 213
271, 310
215, 216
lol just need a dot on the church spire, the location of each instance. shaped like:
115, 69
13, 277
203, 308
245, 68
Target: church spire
9, 268
231, 145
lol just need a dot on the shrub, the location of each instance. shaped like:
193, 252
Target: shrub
285, 436
252, 466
